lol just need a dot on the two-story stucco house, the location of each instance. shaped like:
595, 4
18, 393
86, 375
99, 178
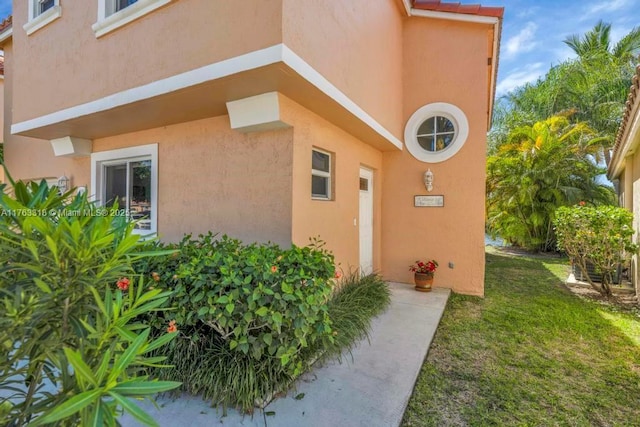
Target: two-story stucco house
268, 120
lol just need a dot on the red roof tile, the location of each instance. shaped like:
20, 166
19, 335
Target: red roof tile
6, 23
466, 9
627, 117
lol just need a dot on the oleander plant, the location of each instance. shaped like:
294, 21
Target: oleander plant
71, 309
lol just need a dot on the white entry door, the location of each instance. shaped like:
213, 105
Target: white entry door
366, 221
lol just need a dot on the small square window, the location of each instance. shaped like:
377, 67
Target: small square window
364, 184
320, 175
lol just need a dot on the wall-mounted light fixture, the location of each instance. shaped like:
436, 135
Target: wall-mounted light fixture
63, 184
428, 180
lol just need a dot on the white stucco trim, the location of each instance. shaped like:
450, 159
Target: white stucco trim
249, 61
140, 151
70, 146
105, 24
407, 6
256, 113
443, 109
37, 22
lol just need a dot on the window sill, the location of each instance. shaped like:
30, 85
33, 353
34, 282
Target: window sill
43, 19
127, 15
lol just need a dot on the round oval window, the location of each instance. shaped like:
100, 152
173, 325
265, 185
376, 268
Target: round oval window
436, 132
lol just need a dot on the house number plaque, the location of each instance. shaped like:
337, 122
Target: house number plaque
428, 201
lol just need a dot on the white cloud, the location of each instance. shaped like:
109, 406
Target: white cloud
527, 12
607, 6
521, 42
519, 77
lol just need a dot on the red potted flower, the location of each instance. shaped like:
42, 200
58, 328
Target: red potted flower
423, 274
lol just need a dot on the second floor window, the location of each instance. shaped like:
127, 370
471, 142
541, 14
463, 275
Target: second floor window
43, 5
114, 6
121, 4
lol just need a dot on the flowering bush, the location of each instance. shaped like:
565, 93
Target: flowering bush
425, 267
259, 300
601, 236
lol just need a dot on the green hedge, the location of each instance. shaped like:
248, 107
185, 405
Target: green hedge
260, 300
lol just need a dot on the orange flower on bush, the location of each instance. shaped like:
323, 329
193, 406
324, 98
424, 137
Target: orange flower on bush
337, 274
172, 327
123, 284
155, 276
582, 203
274, 268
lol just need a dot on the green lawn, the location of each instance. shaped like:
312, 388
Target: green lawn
529, 353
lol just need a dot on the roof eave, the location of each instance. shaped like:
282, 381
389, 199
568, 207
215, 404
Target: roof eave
5, 35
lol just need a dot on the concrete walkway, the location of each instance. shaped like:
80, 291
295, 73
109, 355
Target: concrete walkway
372, 389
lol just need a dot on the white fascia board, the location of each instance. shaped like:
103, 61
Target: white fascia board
249, 61
463, 17
6, 34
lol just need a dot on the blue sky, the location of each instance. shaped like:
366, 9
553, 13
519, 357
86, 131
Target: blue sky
534, 29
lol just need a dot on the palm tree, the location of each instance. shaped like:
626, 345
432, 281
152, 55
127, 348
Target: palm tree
597, 42
549, 164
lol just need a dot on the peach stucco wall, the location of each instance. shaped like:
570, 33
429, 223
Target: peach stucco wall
332, 221
29, 158
455, 55
63, 64
214, 178
357, 46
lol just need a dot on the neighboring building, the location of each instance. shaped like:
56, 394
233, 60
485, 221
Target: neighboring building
268, 120
624, 168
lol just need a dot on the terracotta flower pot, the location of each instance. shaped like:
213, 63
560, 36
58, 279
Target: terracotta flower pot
423, 281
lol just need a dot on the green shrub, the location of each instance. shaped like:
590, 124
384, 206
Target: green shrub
234, 355
74, 349
260, 300
597, 235
206, 366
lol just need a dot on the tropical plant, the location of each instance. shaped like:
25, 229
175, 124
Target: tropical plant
600, 236
74, 348
549, 164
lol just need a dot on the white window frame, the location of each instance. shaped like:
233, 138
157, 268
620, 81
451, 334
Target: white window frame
442, 109
141, 152
323, 174
38, 20
109, 21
